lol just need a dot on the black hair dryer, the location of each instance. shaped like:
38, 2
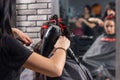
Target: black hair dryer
49, 39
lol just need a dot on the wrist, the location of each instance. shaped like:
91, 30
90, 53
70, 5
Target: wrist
15, 31
60, 48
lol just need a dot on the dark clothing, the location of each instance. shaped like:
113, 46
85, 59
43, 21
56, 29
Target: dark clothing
80, 45
100, 58
97, 31
87, 30
12, 56
73, 69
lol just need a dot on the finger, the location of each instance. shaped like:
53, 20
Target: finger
25, 41
29, 39
27, 44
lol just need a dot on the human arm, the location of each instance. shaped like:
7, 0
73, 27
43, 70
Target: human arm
96, 20
16, 56
21, 36
89, 24
53, 66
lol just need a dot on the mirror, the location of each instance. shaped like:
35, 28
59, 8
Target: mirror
89, 36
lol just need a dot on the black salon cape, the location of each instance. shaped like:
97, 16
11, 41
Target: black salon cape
100, 58
73, 70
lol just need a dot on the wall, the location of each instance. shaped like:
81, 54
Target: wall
31, 14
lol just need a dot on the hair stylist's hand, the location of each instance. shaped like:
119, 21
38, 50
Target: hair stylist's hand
23, 37
62, 42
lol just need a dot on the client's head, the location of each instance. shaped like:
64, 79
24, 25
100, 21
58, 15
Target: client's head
50, 32
109, 25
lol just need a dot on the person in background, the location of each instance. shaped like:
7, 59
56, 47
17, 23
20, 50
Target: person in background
110, 11
83, 21
78, 31
100, 58
90, 28
83, 33
87, 12
96, 23
96, 10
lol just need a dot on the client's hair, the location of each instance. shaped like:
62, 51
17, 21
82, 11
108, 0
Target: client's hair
56, 21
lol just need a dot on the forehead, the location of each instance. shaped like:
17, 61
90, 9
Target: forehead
109, 22
109, 9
